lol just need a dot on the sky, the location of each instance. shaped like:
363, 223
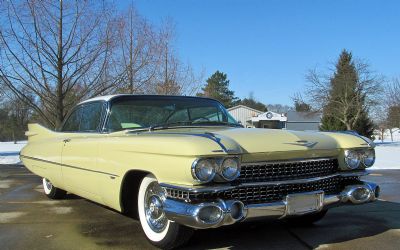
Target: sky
267, 47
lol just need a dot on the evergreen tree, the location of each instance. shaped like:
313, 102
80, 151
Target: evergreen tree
217, 87
253, 103
346, 108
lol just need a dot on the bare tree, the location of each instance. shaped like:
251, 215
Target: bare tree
58, 51
279, 108
393, 92
138, 52
174, 77
349, 106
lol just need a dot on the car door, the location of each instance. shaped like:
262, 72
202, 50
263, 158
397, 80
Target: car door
80, 150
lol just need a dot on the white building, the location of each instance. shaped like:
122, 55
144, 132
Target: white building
252, 118
243, 113
268, 120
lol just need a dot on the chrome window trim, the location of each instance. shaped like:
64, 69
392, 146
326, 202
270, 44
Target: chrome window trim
102, 118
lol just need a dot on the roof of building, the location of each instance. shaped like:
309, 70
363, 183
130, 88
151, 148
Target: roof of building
269, 116
245, 107
294, 116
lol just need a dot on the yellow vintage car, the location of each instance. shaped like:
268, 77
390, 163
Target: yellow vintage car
182, 163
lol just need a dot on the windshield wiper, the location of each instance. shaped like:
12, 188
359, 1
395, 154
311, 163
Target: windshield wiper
217, 123
189, 123
169, 124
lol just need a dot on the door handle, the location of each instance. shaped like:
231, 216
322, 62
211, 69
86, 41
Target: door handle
66, 140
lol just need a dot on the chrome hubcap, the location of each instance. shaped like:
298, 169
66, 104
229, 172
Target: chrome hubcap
153, 207
49, 186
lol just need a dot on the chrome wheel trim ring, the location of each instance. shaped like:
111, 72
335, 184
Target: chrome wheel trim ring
48, 184
153, 208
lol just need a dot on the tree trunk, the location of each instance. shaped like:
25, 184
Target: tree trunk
391, 134
60, 94
348, 126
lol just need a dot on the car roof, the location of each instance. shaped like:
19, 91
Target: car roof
110, 97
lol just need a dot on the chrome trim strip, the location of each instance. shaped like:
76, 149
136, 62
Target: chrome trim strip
218, 188
295, 181
301, 160
65, 165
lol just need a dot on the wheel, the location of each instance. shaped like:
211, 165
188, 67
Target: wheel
160, 231
306, 220
51, 191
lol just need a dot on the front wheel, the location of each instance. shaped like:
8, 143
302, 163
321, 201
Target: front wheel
51, 191
160, 231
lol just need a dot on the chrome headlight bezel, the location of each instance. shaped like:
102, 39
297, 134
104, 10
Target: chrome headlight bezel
352, 159
195, 170
222, 167
368, 160
217, 164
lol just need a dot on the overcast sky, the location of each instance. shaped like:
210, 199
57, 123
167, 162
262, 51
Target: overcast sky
267, 46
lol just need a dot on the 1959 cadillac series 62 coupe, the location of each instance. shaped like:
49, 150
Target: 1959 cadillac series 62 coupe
183, 163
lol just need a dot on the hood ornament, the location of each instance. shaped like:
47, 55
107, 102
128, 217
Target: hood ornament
308, 144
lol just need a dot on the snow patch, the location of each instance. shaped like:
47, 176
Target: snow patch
9, 216
5, 183
9, 152
61, 210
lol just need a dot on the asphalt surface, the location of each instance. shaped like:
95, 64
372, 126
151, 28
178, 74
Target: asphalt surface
28, 220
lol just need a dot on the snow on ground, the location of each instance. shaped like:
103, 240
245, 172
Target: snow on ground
9, 152
387, 154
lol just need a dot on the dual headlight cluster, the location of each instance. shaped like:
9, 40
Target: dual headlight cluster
355, 157
221, 169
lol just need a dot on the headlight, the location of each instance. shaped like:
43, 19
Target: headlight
368, 158
352, 159
203, 170
229, 169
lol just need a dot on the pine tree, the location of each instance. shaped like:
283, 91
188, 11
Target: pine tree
217, 87
253, 103
346, 109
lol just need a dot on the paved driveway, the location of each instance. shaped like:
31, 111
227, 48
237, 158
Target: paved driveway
28, 220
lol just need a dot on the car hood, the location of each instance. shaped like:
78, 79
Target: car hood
246, 140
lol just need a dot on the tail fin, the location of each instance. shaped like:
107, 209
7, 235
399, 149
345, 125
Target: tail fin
37, 131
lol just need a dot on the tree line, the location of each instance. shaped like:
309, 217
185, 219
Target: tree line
352, 97
54, 54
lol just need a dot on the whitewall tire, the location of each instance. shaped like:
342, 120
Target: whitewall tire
160, 231
51, 191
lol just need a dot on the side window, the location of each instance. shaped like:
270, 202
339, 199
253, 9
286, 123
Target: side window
72, 124
85, 118
90, 117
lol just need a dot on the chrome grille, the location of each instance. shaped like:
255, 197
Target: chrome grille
262, 194
287, 170
265, 193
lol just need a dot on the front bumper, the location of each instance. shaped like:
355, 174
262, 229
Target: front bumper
232, 211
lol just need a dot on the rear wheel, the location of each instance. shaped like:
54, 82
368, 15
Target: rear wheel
160, 231
306, 220
51, 191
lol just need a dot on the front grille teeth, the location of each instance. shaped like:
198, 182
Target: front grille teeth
264, 193
287, 170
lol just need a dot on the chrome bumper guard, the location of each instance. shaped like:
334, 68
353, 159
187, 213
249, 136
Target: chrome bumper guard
220, 213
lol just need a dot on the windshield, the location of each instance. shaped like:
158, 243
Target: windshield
136, 112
